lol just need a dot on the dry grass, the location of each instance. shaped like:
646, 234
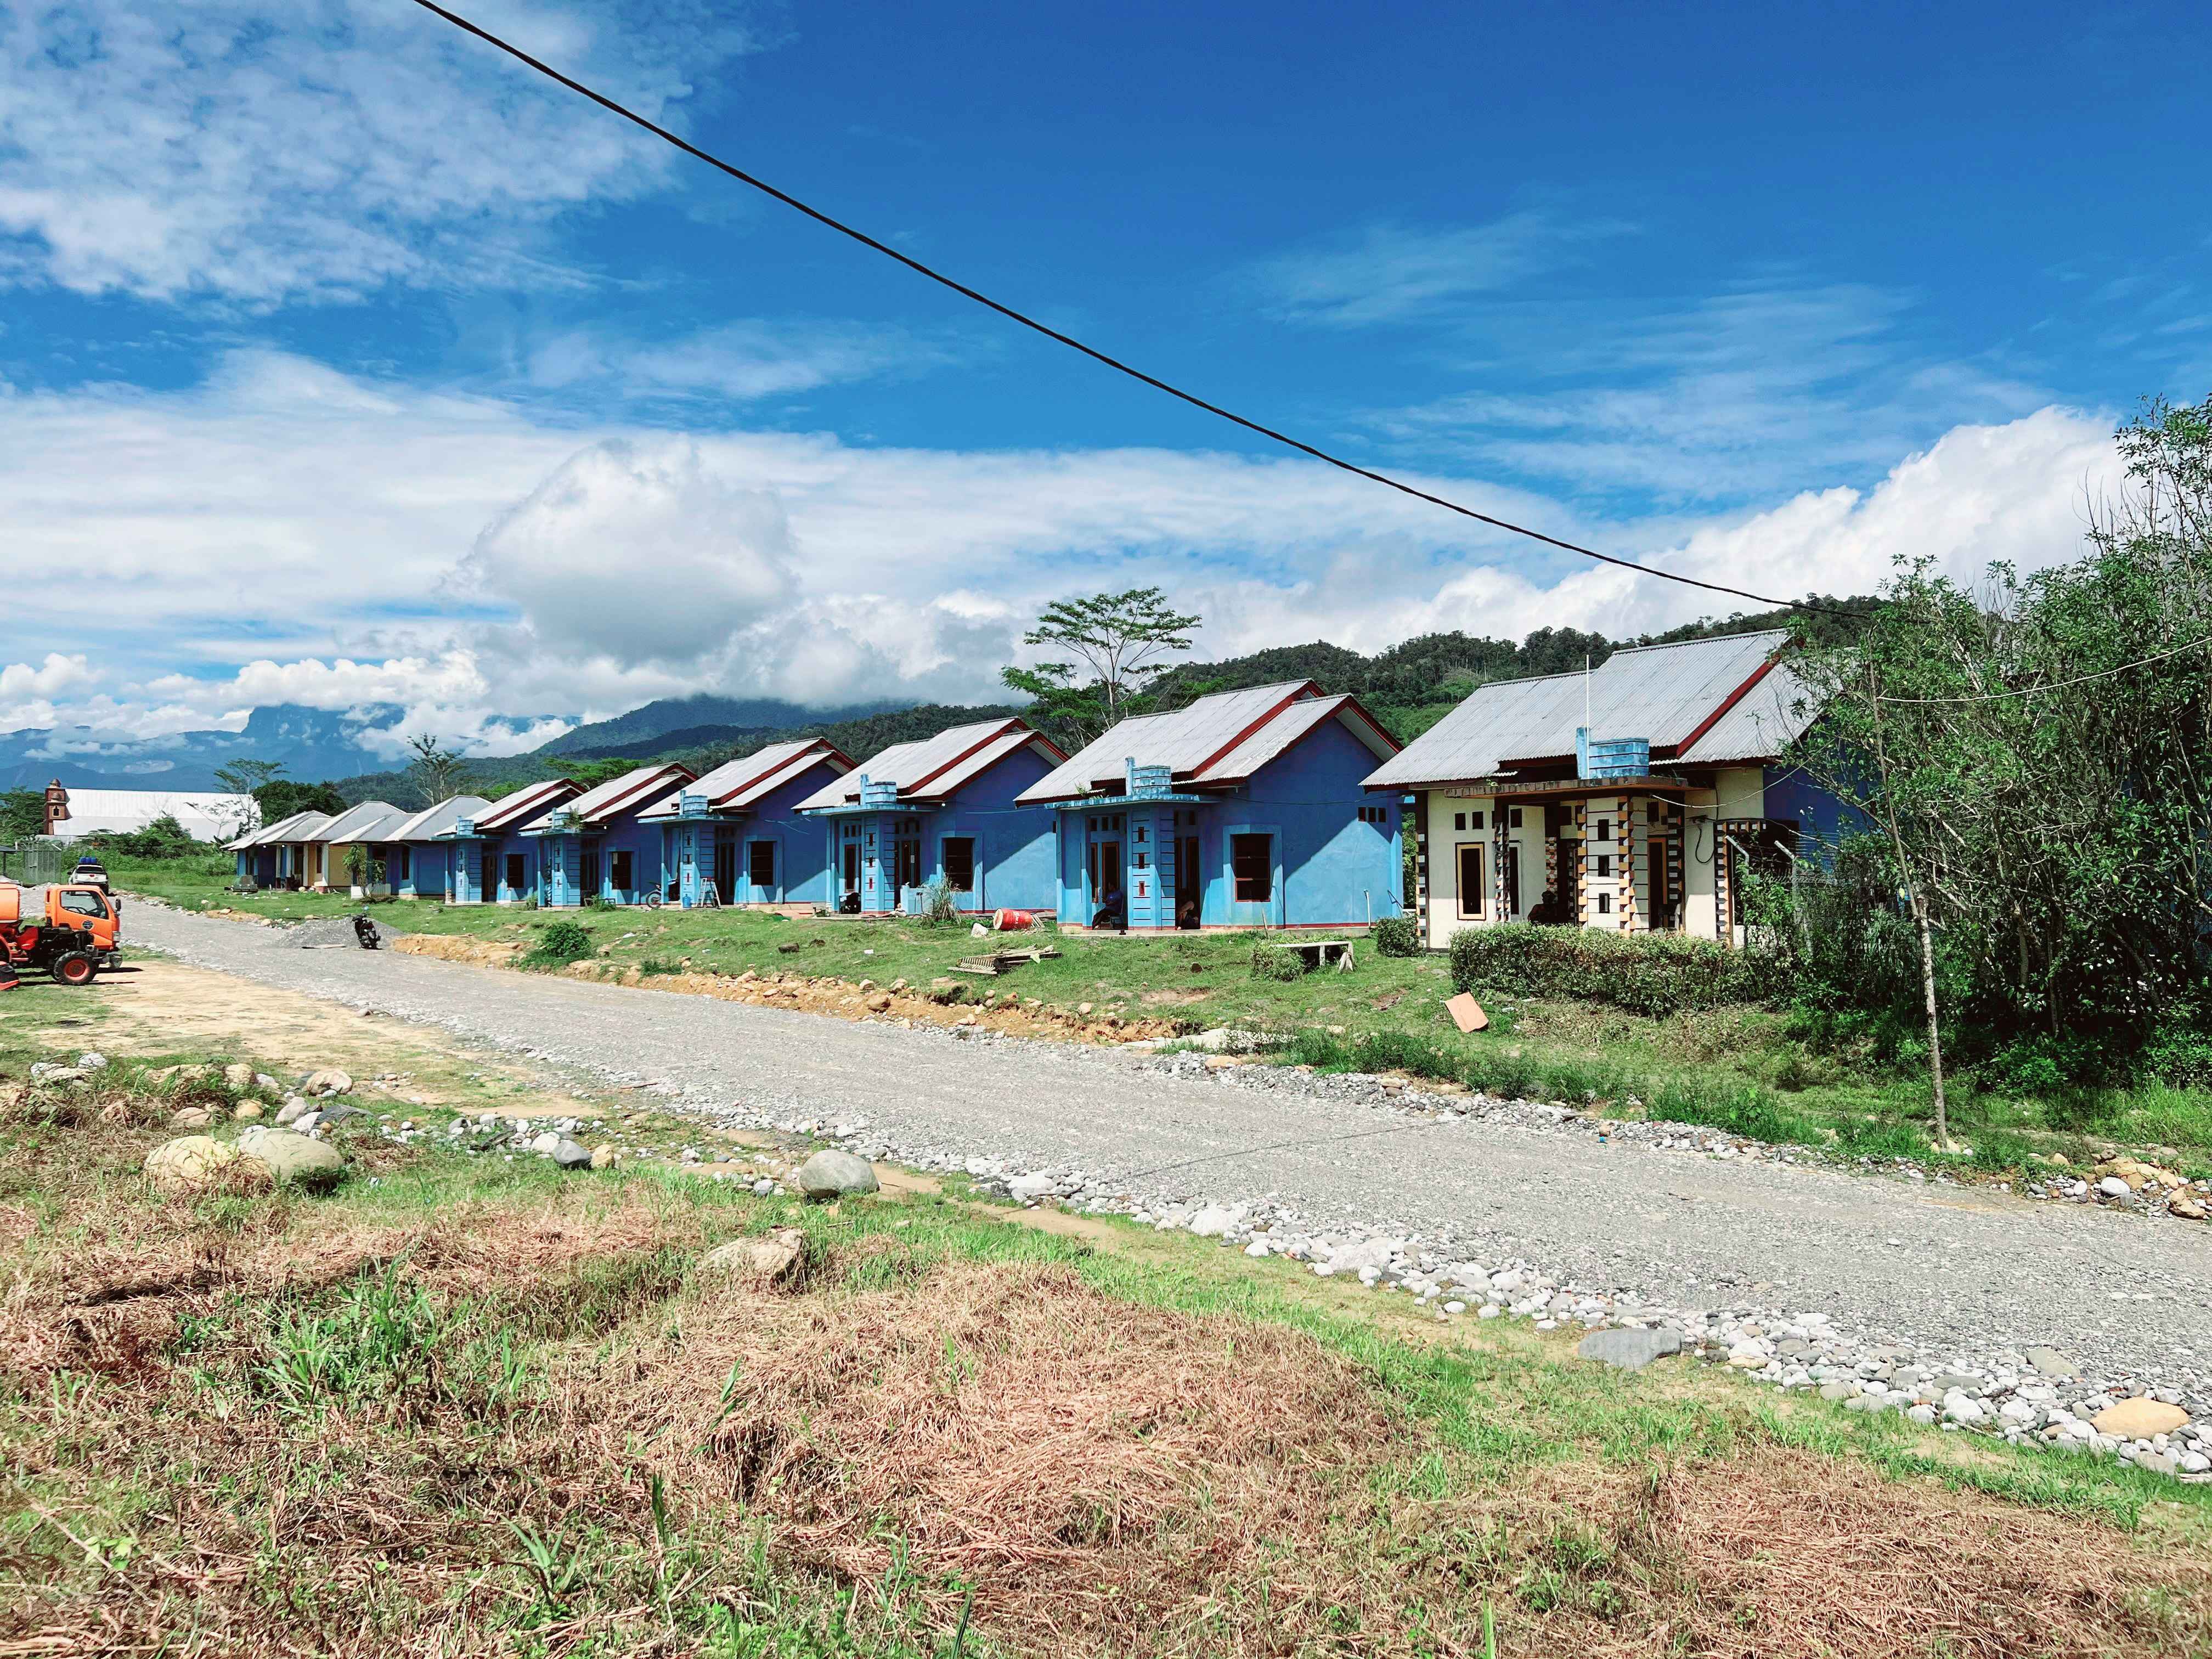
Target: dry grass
1092, 1469
537, 1439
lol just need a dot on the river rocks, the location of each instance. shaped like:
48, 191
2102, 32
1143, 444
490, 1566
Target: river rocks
570, 1154
604, 1157
2186, 1207
1629, 1350
1215, 1221
292, 1110
761, 1261
2050, 1362
191, 1117
2138, 1418
293, 1159
249, 1112
196, 1164
830, 1174
91, 1061
238, 1077
324, 1084
1029, 1188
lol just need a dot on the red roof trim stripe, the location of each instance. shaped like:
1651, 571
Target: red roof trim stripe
1002, 729
1238, 741
1726, 703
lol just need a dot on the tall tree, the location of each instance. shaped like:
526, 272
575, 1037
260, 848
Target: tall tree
436, 771
239, 779
1119, 637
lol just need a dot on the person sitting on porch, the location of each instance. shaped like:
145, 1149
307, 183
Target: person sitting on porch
1113, 911
1187, 912
1549, 912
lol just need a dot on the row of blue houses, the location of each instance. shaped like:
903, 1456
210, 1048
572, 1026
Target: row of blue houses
1276, 806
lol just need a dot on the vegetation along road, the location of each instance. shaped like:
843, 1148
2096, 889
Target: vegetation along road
1943, 1269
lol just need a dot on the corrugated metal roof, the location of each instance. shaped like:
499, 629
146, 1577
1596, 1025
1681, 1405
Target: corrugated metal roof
1657, 692
524, 804
1766, 721
1182, 739
435, 821
295, 828
736, 785
618, 795
930, 768
354, 824
1287, 727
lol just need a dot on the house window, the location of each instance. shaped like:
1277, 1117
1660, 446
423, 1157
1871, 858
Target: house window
1252, 864
1470, 879
1604, 862
960, 863
1605, 828
1513, 818
1604, 904
760, 863
1459, 821
1374, 814
622, 870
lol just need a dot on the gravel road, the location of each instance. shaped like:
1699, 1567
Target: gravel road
1934, 1265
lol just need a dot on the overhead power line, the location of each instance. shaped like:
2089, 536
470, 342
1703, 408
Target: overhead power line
1090, 351
2060, 685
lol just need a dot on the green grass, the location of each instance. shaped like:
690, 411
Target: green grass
1744, 1069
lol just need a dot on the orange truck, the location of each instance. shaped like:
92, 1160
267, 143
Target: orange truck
73, 934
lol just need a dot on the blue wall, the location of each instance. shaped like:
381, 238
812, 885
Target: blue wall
1015, 865
1330, 869
802, 850
1822, 818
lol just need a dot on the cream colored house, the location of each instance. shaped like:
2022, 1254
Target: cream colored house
1636, 796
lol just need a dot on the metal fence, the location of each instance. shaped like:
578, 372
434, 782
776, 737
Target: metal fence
38, 860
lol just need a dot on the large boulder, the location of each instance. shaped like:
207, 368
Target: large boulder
1628, 1349
2138, 1418
198, 1163
831, 1174
329, 1081
760, 1261
294, 1160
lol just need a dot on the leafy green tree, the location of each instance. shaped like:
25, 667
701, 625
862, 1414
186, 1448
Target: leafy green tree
23, 814
1119, 638
281, 797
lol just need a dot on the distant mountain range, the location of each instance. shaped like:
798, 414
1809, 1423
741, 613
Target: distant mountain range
1408, 686
310, 742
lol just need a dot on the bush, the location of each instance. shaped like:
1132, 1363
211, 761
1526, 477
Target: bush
1655, 973
1397, 936
560, 943
1268, 962
940, 903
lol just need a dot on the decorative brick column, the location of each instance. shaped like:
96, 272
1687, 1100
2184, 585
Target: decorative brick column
1503, 911
1624, 815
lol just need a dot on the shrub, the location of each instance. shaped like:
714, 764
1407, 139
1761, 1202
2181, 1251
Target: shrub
560, 943
1397, 936
940, 903
653, 965
1268, 962
1655, 973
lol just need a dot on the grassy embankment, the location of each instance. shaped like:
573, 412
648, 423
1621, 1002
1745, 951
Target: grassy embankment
470, 1406
1753, 1070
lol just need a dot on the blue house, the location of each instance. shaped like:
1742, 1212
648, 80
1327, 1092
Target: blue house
1245, 810
417, 853
490, 861
735, 837
597, 846
268, 857
948, 808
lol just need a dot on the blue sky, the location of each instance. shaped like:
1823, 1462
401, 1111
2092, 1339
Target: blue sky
361, 367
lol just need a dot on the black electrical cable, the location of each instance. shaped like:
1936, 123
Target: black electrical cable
1092, 352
